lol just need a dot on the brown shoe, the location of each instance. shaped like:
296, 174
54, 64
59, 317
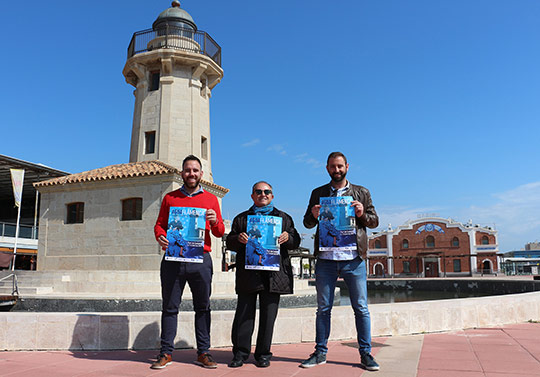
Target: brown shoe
205, 360
162, 361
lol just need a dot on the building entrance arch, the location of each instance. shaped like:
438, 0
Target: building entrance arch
487, 266
378, 269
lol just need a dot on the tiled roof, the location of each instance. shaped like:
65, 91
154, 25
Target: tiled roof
129, 170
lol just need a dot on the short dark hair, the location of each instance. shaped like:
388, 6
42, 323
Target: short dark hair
256, 183
191, 158
335, 155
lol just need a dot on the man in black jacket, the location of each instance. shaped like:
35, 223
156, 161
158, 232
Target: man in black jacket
267, 285
346, 262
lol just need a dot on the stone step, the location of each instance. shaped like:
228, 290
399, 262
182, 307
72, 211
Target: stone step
124, 303
23, 292
110, 282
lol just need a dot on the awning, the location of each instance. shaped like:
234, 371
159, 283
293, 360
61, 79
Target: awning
9, 250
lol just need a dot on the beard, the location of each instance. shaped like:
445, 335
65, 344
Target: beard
338, 177
192, 184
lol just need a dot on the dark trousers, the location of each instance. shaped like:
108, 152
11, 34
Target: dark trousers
244, 323
174, 276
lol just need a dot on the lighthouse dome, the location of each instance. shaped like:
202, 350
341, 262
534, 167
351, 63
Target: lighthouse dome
174, 16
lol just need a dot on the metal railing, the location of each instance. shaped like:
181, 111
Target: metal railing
15, 284
25, 231
175, 38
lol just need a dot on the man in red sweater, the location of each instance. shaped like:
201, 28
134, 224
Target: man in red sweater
174, 274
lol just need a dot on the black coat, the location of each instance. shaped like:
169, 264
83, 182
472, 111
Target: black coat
249, 281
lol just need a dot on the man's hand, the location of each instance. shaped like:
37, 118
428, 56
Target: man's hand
163, 242
358, 208
243, 238
211, 216
283, 237
315, 210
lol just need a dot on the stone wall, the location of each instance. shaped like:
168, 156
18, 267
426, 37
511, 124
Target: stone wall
103, 241
136, 330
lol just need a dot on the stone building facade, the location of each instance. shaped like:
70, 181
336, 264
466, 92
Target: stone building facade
433, 247
103, 219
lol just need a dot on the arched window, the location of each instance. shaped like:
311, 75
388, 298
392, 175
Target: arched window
485, 240
430, 241
377, 244
405, 244
455, 242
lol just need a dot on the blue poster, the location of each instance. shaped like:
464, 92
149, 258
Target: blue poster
337, 230
262, 249
186, 234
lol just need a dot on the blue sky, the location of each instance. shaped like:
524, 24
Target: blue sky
435, 103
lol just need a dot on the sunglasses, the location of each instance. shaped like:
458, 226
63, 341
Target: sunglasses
259, 192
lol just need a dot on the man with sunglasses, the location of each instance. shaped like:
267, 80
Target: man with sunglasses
253, 283
336, 262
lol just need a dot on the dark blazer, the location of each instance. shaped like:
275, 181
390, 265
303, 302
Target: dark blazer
249, 281
368, 220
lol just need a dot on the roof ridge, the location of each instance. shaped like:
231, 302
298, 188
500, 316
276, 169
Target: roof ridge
118, 171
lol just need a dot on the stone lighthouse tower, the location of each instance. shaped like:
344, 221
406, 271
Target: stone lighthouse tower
173, 67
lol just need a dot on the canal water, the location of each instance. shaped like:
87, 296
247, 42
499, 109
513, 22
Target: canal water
390, 296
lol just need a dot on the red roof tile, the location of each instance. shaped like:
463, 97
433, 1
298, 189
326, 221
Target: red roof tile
129, 170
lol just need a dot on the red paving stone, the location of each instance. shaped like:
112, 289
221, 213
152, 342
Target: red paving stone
343, 360
508, 351
451, 373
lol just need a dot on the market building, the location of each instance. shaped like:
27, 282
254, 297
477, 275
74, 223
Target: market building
433, 247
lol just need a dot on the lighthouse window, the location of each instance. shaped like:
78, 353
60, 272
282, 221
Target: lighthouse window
149, 142
204, 148
154, 81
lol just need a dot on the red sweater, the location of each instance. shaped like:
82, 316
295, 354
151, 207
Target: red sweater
178, 199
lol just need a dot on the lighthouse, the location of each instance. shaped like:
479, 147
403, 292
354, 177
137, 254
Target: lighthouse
174, 67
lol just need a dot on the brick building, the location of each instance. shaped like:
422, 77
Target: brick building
433, 247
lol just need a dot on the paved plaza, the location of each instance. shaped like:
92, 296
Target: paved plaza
507, 351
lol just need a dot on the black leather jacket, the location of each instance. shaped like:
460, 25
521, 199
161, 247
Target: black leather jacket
249, 281
368, 220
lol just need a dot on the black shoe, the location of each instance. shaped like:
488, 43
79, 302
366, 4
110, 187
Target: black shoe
316, 358
236, 362
368, 362
263, 362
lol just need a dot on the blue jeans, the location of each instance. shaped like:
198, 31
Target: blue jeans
353, 273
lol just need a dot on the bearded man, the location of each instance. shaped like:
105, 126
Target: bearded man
336, 262
174, 275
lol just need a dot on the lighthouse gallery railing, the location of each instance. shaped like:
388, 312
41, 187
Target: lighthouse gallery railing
175, 38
